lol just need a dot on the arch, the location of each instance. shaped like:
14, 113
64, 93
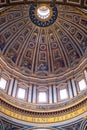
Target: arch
83, 124
1, 125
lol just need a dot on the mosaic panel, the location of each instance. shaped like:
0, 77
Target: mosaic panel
5, 125
2, 42
10, 33
42, 56
58, 61
71, 51
43, 50
73, 127
42, 62
2, 20
2, 2
16, 126
27, 60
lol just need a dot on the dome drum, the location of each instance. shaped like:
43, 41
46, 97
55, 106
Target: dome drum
53, 91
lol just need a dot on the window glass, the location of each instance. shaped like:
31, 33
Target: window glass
42, 97
43, 12
21, 93
63, 94
2, 83
82, 85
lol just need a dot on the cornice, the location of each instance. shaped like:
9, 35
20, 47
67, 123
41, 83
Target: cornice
53, 79
41, 118
33, 107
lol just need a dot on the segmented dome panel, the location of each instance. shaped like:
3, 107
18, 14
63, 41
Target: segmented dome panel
38, 50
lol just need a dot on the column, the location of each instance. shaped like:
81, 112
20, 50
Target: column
50, 94
58, 93
74, 87
0, 71
54, 94
70, 89
30, 93
14, 88
34, 94
85, 73
10, 86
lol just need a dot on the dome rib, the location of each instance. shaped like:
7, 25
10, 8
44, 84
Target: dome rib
43, 51
65, 58
77, 47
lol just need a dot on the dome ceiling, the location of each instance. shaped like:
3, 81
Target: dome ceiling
42, 51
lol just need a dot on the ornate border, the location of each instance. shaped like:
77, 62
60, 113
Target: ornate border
42, 118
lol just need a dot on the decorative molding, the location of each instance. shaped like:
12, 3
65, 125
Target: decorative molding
42, 118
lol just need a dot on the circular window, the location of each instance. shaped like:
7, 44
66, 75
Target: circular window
43, 12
